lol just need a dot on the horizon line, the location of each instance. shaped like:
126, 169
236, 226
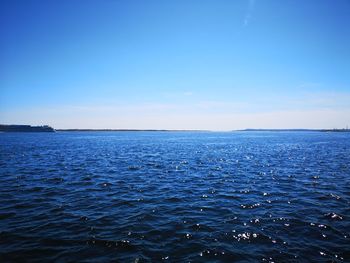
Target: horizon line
181, 130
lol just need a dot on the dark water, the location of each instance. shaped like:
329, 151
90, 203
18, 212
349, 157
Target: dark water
176, 197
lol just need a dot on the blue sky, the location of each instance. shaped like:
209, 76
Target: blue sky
203, 64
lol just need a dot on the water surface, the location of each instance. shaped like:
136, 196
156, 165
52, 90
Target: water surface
175, 197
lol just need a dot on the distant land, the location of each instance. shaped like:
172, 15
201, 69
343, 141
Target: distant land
245, 130
25, 128
46, 128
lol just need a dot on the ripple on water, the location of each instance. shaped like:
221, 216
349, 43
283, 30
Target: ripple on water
175, 196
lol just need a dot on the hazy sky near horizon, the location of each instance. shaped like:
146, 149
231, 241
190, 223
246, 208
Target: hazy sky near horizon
184, 64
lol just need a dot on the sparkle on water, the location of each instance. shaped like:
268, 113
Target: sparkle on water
175, 196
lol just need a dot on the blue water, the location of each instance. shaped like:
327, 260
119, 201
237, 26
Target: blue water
175, 197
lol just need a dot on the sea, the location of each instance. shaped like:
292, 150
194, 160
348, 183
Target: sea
175, 196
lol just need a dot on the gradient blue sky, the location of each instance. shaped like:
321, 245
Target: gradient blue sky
181, 64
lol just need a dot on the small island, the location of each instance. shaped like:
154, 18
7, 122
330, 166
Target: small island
25, 128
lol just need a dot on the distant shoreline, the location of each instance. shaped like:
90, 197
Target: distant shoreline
25, 128
46, 128
164, 130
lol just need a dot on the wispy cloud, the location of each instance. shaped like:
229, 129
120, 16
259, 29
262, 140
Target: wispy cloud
249, 13
309, 85
308, 109
177, 119
178, 94
188, 93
